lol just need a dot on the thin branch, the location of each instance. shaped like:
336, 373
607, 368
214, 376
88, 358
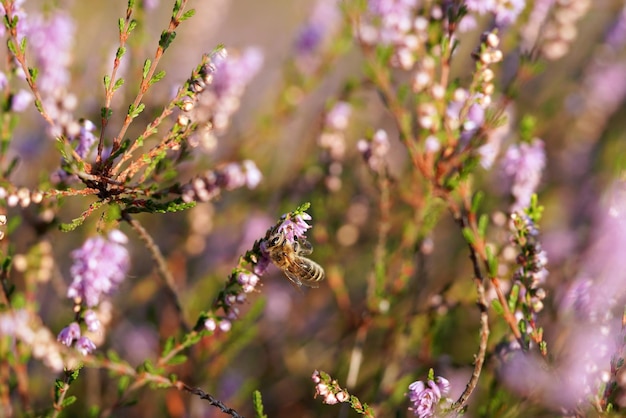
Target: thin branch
162, 268
484, 336
208, 397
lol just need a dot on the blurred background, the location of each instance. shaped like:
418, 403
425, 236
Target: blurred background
429, 318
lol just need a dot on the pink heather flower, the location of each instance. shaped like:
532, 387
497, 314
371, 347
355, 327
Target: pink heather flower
85, 346
480, 6
522, 166
426, 398
150, 4
69, 334
295, 227
21, 100
92, 321
338, 117
23, 22
210, 324
507, 11
396, 19
323, 20
100, 265
248, 281
4, 82
51, 39
85, 138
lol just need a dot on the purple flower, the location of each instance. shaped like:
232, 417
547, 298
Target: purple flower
506, 11
51, 40
338, 117
85, 346
92, 321
321, 24
295, 227
100, 265
85, 138
248, 281
22, 23
522, 166
69, 334
426, 398
21, 100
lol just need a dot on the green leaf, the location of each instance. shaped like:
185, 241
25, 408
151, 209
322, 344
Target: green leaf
483, 221
477, 201
166, 39
169, 344
133, 111
120, 52
497, 307
68, 401
492, 262
189, 13
72, 225
34, 72
177, 359
468, 234
106, 112
122, 384
146, 67
514, 296
157, 77
177, 6
11, 46
118, 83
132, 25
113, 356
257, 401
120, 25
107, 82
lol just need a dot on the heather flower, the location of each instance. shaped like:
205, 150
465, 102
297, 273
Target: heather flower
322, 23
295, 227
69, 334
92, 321
374, 152
51, 40
23, 22
522, 166
85, 138
248, 281
100, 265
210, 324
338, 117
425, 398
21, 100
85, 346
231, 76
504, 11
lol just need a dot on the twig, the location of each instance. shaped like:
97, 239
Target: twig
484, 335
162, 268
208, 397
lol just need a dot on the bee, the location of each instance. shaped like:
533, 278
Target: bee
290, 258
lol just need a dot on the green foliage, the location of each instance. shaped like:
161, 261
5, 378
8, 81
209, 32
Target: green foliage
257, 402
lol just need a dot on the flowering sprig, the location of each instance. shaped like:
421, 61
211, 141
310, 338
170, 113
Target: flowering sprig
429, 399
245, 278
99, 267
332, 393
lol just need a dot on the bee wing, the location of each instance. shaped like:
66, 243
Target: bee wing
310, 272
302, 246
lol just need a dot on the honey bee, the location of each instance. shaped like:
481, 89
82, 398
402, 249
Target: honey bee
289, 257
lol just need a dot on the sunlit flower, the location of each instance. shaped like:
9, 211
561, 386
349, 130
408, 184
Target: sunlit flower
100, 265
426, 397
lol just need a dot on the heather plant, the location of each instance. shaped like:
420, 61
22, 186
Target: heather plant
454, 167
